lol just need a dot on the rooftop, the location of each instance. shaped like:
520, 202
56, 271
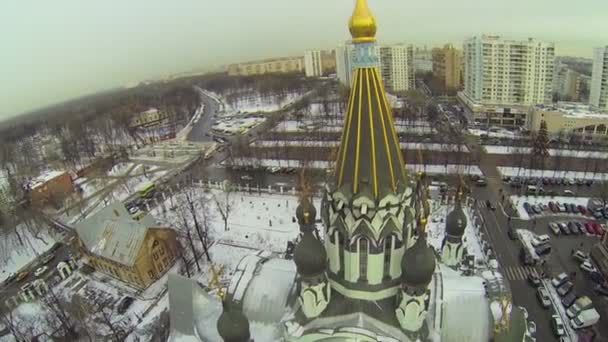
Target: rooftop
574, 110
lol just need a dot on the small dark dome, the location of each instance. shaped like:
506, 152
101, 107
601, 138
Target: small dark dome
456, 221
310, 256
306, 212
418, 264
233, 325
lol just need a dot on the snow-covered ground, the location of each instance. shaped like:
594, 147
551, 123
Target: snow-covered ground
322, 164
237, 124
523, 172
500, 133
518, 202
293, 126
491, 149
15, 256
319, 143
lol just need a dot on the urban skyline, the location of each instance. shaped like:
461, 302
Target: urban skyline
37, 56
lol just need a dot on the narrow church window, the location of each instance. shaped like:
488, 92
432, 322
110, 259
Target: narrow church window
389, 245
363, 252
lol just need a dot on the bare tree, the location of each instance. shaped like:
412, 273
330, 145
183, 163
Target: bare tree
183, 214
224, 207
57, 308
201, 229
15, 328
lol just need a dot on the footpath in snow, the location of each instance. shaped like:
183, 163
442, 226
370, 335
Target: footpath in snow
496, 149
322, 164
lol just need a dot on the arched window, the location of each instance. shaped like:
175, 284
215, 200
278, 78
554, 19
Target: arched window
339, 237
389, 246
363, 251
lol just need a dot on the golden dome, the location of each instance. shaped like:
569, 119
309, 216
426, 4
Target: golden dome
362, 24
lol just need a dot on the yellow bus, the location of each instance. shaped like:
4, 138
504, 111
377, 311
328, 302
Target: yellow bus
147, 190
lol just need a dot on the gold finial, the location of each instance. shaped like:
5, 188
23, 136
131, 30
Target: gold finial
362, 24
306, 217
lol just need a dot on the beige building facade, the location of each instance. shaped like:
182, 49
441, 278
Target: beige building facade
567, 118
447, 66
268, 66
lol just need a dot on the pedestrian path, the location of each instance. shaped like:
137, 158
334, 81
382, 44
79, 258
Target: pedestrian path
519, 272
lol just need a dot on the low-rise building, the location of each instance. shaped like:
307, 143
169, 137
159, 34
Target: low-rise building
268, 66
508, 116
148, 118
50, 188
135, 252
569, 117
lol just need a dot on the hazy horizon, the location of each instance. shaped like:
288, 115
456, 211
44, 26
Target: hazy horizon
64, 49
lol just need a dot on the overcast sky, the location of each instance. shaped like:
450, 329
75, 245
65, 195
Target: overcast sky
59, 49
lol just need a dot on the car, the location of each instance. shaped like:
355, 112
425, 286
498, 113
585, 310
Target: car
490, 205
574, 208
554, 228
274, 169
40, 271
598, 215
567, 208
598, 229
589, 182
481, 182
569, 299
573, 229
565, 288
290, 170
537, 209
587, 266
543, 249
11, 278
582, 209
579, 181
557, 325
511, 233
564, 228
580, 227
124, 304
589, 228
540, 240
133, 210
534, 279
543, 297
247, 178
528, 208
552, 206
569, 193
506, 179
532, 329
580, 256
558, 280
601, 290
21, 276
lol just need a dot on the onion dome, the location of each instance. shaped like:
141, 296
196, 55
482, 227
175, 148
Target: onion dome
310, 256
456, 221
418, 264
362, 24
233, 325
306, 213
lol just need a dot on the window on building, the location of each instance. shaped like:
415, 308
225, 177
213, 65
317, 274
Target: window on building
388, 248
151, 274
363, 250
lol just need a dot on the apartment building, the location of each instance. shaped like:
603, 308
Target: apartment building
268, 66
313, 63
502, 78
447, 66
598, 96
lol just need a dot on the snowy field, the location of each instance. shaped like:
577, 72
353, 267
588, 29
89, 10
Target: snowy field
523, 172
319, 143
15, 256
491, 149
257, 103
518, 203
237, 124
322, 164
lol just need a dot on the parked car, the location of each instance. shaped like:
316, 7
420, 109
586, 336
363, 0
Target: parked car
574, 208
511, 233
573, 228
582, 209
540, 240
537, 209
580, 256
543, 297
557, 325
598, 229
569, 299
558, 280
543, 249
247, 178
587, 266
554, 228
528, 208
564, 228
40, 271
21, 276
565, 288
580, 227
481, 182
589, 228
601, 290
552, 206
598, 215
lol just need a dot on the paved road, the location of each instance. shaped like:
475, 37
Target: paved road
201, 130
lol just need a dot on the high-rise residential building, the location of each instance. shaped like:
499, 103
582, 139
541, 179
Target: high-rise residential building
344, 67
397, 66
313, 63
598, 96
502, 78
447, 66
423, 60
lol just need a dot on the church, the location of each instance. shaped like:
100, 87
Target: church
367, 273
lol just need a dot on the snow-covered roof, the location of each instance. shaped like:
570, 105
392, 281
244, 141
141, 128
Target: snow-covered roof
575, 110
45, 177
113, 234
